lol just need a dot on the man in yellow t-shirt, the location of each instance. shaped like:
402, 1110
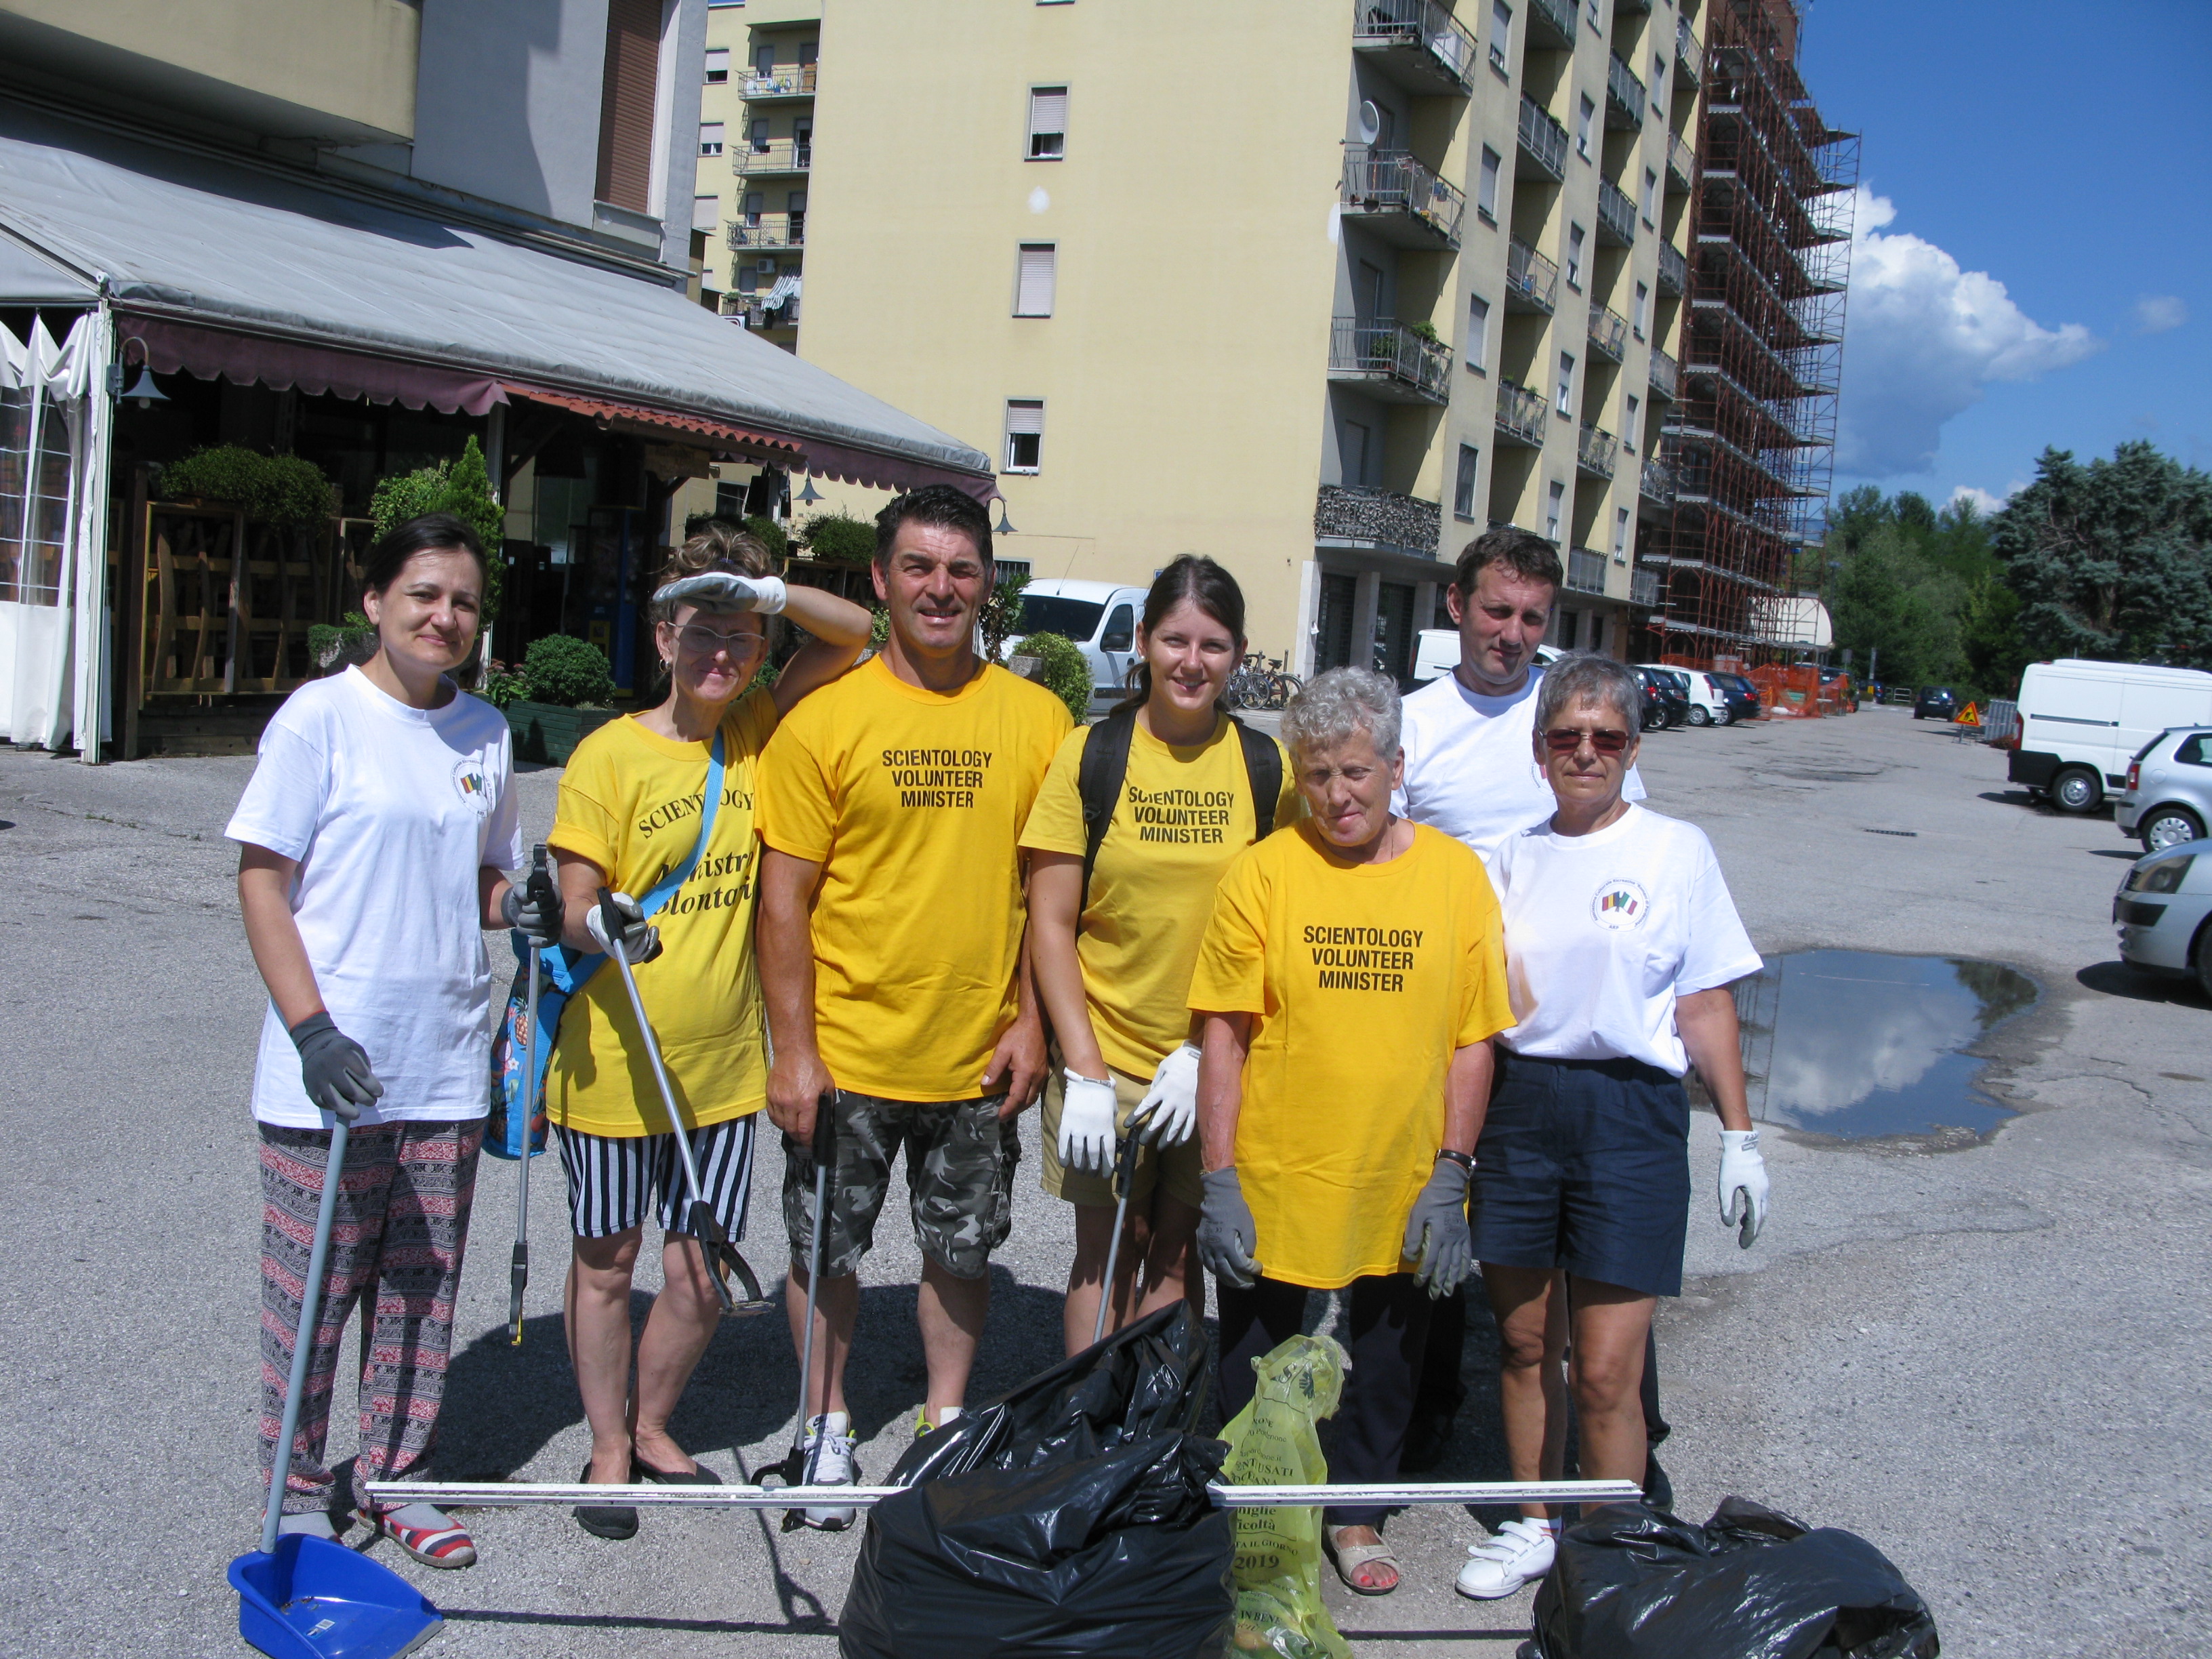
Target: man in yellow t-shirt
891, 951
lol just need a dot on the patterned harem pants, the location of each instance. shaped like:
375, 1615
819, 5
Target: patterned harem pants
396, 1244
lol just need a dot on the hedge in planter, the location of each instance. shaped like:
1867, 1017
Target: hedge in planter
566, 672
270, 489
1062, 670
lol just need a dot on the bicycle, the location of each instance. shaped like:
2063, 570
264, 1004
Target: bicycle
1261, 682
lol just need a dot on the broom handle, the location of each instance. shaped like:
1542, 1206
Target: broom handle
311, 1296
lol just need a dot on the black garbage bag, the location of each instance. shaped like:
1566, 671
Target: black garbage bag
1069, 1517
1636, 1582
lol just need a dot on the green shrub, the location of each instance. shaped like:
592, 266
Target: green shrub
1000, 615
503, 685
839, 535
462, 488
567, 671
350, 640
272, 488
880, 627
769, 534
1062, 670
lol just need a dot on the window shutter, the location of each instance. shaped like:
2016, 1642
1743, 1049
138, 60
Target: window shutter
1033, 293
1048, 115
706, 212
1025, 415
626, 103
718, 63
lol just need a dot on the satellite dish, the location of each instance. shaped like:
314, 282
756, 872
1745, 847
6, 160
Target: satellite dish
1370, 121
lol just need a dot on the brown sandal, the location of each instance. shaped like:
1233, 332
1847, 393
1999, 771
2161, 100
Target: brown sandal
1349, 1559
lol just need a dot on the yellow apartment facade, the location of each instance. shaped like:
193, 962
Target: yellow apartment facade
1320, 288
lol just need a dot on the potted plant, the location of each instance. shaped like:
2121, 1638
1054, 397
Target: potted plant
565, 683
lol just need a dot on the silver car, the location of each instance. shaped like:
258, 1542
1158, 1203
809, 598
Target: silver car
2168, 797
2160, 910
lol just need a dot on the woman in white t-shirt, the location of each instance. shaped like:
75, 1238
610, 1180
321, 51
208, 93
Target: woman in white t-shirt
372, 840
1620, 943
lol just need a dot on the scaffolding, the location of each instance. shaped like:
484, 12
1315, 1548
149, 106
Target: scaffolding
1750, 436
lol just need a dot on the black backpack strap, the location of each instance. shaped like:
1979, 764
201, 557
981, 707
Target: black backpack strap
1263, 767
1098, 781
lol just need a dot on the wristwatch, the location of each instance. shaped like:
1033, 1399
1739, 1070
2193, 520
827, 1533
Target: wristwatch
1464, 1160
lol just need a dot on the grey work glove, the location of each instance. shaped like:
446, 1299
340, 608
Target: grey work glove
1227, 1234
722, 591
335, 1068
619, 916
1436, 1234
534, 909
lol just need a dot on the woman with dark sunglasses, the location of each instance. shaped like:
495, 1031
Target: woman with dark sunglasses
1620, 943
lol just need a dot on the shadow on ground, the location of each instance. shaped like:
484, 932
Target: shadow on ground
2119, 979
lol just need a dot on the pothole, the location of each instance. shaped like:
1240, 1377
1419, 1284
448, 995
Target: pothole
1858, 1043
1826, 773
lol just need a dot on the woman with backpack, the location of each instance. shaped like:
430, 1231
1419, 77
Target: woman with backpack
637, 815
1136, 821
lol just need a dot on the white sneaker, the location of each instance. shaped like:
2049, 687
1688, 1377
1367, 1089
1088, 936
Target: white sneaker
829, 1442
1516, 1555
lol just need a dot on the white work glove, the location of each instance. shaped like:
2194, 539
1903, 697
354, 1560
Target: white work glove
725, 590
1168, 1111
1743, 1182
1086, 1124
640, 939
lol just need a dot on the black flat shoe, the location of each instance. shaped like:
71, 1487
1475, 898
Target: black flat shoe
702, 1476
615, 1521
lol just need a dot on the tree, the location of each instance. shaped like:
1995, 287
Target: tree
462, 488
1988, 636
1885, 597
2113, 560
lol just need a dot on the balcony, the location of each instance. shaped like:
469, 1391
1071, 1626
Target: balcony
1523, 417
1673, 270
1597, 452
1532, 281
1657, 483
1623, 96
796, 81
1348, 516
769, 230
1390, 361
764, 155
1543, 151
1552, 25
1398, 199
1681, 164
1643, 588
1417, 43
1666, 375
1608, 331
1616, 215
1585, 571
1689, 62
1631, 8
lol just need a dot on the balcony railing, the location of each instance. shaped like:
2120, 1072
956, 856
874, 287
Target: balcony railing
1532, 281
1673, 270
1616, 215
1681, 164
1405, 200
1543, 142
1423, 44
1551, 24
1608, 330
1689, 62
1624, 95
1391, 359
1597, 452
1666, 375
1643, 588
1522, 415
1378, 518
796, 81
774, 155
769, 230
1585, 570
1657, 483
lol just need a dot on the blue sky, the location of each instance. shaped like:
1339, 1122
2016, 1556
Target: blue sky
2035, 231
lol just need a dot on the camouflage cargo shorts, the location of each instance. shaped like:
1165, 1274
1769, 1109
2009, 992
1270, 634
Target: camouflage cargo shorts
960, 1160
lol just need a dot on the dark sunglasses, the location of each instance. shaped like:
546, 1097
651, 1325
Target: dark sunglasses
1565, 740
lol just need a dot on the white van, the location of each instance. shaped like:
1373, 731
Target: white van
1436, 654
1100, 617
2081, 722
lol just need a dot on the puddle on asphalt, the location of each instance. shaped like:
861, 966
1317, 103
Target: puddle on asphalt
1855, 1043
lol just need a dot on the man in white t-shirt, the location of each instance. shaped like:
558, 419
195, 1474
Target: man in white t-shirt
1471, 772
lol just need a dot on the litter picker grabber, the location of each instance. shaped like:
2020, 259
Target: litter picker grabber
716, 1253
302, 1597
1125, 1177
517, 1278
797, 1469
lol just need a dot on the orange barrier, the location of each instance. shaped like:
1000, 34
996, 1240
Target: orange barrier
1791, 693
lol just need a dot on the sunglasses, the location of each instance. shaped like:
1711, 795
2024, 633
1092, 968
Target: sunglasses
705, 641
1566, 740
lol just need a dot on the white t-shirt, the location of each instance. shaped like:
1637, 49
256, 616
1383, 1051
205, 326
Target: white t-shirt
389, 812
1470, 770
1604, 931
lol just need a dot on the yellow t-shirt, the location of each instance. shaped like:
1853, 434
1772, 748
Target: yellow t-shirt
1362, 979
630, 803
1183, 816
911, 801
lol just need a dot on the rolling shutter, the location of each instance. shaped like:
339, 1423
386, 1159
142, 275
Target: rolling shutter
1033, 291
626, 104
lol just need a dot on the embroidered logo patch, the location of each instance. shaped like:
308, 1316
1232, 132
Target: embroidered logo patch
1618, 904
473, 784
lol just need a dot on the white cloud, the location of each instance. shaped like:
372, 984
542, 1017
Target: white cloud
2155, 314
1923, 338
1983, 503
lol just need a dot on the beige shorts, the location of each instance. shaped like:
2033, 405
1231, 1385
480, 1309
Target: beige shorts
1176, 1167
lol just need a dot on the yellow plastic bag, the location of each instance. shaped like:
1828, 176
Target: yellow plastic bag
1272, 1442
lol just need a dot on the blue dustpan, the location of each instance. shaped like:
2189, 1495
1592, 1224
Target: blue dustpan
314, 1599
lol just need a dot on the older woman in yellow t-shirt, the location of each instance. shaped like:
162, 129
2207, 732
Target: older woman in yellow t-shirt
1349, 984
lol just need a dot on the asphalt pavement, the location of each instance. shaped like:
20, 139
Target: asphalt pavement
1988, 1358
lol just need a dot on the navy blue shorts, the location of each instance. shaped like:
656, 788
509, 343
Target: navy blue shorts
1584, 1165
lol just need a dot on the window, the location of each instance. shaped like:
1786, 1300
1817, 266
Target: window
1650, 194
710, 137
1048, 123
1628, 422
1596, 20
1620, 532
807, 50
1643, 308
1486, 189
754, 202
1477, 351
1575, 238
1357, 444
1501, 36
706, 212
1033, 283
764, 61
1658, 72
1585, 118
718, 65
1553, 505
1120, 633
756, 136
627, 85
1567, 384
1024, 433
1470, 463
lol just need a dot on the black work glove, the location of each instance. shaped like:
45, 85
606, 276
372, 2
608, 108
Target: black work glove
534, 909
335, 1068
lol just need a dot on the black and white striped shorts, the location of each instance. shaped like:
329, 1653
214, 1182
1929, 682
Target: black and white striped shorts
612, 1178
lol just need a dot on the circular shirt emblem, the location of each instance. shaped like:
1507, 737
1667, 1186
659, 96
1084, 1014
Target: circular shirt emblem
473, 784
1619, 903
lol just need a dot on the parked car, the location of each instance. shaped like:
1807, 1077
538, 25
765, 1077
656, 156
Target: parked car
2160, 911
1715, 699
1744, 704
2167, 799
1666, 700
1100, 617
1436, 654
2081, 722
1935, 702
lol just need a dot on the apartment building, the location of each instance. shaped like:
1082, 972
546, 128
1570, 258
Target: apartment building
756, 155
1320, 289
